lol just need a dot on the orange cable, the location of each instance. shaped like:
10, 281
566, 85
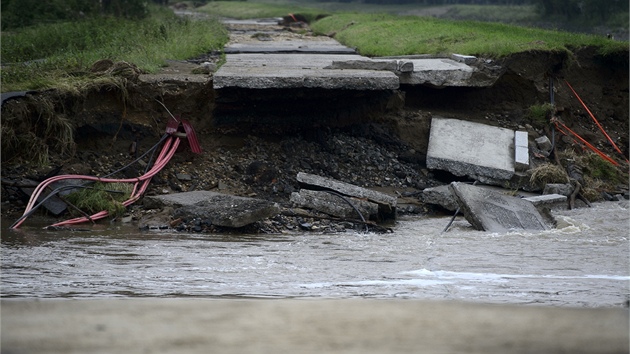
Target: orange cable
593, 148
595, 120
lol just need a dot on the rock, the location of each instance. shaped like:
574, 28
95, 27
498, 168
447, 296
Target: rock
487, 210
544, 144
441, 196
222, 209
386, 203
335, 205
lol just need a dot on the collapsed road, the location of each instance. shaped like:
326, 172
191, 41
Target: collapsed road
338, 114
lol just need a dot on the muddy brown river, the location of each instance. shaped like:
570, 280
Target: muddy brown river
585, 262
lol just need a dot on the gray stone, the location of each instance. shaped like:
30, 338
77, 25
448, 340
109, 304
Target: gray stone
222, 209
386, 203
480, 151
335, 205
495, 212
544, 144
441, 196
558, 188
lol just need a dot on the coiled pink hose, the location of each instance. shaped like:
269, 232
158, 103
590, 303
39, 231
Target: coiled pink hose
140, 184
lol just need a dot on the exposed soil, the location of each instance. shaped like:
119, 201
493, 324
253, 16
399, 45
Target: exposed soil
115, 123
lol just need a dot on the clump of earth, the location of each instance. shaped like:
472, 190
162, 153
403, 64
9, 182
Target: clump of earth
116, 123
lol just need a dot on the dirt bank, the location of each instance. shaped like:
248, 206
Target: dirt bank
105, 126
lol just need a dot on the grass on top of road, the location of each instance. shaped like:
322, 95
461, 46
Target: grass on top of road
383, 35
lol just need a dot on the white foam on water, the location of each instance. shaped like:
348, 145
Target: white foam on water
440, 274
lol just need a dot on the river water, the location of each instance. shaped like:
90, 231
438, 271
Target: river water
585, 262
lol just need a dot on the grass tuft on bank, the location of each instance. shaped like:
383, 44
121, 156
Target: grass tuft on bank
52, 55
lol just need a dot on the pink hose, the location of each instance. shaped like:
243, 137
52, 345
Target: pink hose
140, 184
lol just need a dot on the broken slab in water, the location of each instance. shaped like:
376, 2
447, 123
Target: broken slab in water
386, 203
487, 210
479, 151
335, 205
221, 209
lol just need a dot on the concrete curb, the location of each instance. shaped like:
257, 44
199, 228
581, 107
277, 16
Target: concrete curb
305, 326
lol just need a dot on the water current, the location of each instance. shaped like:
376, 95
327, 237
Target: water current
585, 262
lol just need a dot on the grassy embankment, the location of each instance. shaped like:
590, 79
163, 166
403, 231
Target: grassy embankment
60, 54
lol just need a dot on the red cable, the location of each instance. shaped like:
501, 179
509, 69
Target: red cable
140, 184
595, 120
593, 148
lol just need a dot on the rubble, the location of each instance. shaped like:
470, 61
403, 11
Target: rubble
386, 203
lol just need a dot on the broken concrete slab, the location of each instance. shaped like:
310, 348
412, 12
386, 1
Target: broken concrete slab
551, 201
370, 64
331, 204
495, 212
440, 195
266, 71
386, 203
290, 46
479, 151
221, 209
438, 72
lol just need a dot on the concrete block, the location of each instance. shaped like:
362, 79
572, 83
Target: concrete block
441, 196
466, 59
495, 212
521, 151
552, 201
471, 149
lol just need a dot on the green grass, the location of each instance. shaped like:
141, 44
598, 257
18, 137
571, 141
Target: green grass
384, 35
49, 55
246, 10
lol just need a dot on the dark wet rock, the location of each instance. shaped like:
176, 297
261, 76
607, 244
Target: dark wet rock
222, 209
558, 188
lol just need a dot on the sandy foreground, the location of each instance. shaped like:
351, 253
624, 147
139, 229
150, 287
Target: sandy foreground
305, 326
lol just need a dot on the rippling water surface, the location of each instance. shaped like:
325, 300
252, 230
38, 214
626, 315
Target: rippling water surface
584, 262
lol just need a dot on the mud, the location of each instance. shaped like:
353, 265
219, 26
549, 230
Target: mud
377, 148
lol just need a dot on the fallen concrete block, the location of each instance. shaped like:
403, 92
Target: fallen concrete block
463, 148
335, 205
495, 212
386, 203
441, 196
221, 209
